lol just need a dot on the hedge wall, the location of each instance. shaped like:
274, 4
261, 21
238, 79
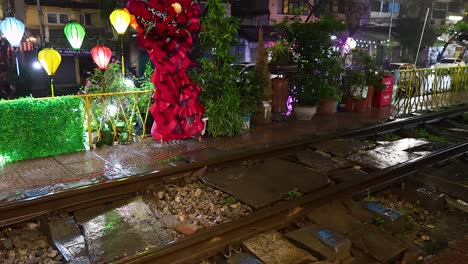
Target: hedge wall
32, 128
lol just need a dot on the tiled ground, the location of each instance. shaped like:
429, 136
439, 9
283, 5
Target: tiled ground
126, 160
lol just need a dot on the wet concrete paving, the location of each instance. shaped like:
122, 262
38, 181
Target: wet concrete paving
322, 162
451, 179
120, 229
273, 248
268, 182
115, 162
342, 147
67, 237
381, 157
370, 239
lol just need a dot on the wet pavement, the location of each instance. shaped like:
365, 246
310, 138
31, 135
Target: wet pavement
266, 183
30, 178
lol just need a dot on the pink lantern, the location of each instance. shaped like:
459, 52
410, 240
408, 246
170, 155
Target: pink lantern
101, 56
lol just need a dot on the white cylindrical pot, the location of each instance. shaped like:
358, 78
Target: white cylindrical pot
304, 112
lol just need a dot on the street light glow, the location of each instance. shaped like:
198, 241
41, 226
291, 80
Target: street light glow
36, 65
455, 18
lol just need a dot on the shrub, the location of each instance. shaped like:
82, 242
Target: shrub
32, 128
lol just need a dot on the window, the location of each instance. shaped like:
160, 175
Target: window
85, 19
53, 18
385, 6
293, 7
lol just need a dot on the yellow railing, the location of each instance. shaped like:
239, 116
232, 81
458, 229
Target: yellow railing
111, 117
422, 89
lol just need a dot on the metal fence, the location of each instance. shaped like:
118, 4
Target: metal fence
111, 117
422, 89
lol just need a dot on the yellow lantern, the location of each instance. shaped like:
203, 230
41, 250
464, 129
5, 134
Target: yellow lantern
120, 19
50, 60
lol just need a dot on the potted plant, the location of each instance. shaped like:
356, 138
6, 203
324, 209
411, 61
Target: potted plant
251, 95
263, 114
319, 68
305, 95
365, 63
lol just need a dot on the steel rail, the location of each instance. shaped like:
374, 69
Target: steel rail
208, 243
21, 210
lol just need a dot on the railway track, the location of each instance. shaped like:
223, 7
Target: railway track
274, 216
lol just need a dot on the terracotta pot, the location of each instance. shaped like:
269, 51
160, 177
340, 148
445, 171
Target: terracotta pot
370, 95
262, 116
280, 95
304, 112
360, 105
327, 106
349, 104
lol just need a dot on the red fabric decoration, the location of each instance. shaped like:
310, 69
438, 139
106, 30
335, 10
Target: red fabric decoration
167, 38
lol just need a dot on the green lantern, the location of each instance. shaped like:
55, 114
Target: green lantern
75, 34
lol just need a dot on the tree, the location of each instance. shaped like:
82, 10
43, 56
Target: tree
409, 32
457, 33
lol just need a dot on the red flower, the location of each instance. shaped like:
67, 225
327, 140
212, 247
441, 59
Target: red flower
181, 20
136, 7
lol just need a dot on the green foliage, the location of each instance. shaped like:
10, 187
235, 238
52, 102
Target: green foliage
280, 52
146, 84
423, 133
251, 92
261, 66
378, 221
409, 31
230, 200
319, 68
169, 160
108, 81
370, 198
220, 93
294, 194
32, 128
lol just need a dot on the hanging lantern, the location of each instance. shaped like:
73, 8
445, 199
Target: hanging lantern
75, 34
101, 56
50, 60
13, 30
120, 19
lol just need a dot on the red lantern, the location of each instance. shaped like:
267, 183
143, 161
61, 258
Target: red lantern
101, 56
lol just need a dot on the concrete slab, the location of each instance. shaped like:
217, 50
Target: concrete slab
451, 179
329, 244
273, 248
344, 175
122, 162
203, 154
341, 147
120, 229
381, 158
322, 163
82, 164
393, 219
67, 237
243, 258
266, 183
368, 238
405, 143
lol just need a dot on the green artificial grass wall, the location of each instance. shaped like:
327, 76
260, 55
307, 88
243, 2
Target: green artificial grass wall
32, 128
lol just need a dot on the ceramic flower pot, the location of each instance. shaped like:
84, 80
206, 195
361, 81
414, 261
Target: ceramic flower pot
370, 95
360, 105
205, 122
304, 112
327, 107
246, 122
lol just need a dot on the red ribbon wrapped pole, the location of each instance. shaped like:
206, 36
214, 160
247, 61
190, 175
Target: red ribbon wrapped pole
167, 39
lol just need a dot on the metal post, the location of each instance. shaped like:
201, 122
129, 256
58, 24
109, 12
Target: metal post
41, 30
391, 21
122, 50
422, 34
